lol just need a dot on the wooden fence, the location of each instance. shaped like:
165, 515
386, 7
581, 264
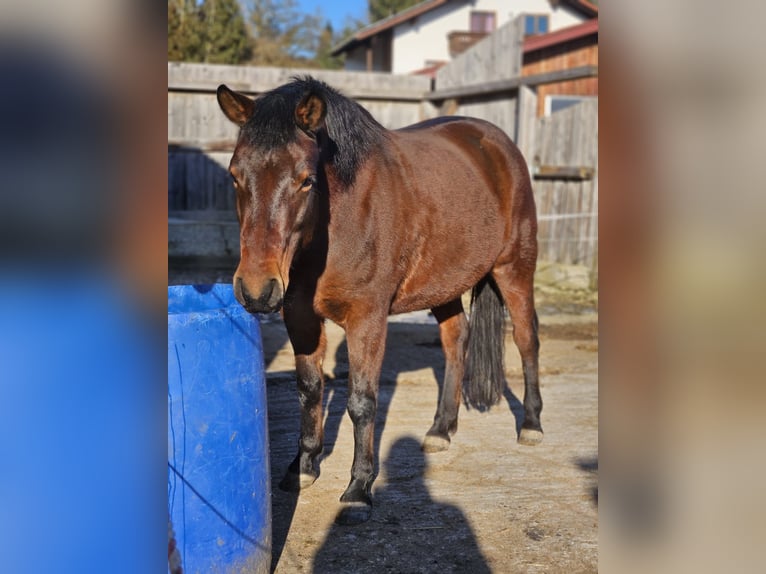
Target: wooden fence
201, 139
484, 81
565, 178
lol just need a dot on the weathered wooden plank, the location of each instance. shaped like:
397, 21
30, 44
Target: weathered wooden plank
499, 87
502, 113
205, 78
526, 122
197, 146
195, 120
498, 56
563, 172
207, 87
566, 157
199, 181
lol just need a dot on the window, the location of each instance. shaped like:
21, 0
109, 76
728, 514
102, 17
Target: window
556, 103
535, 24
482, 22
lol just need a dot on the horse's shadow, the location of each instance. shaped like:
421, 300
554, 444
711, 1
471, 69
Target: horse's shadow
409, 347
408, 523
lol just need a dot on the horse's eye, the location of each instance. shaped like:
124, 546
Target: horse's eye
308, 183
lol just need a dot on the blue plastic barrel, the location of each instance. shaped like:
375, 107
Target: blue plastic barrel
219, 488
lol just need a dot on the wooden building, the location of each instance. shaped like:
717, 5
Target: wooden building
566, 49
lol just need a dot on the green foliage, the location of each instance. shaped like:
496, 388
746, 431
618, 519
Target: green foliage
380, 9
329, 38
324, 46
282, 35
226, 38
185, 31
213, 31
274, 33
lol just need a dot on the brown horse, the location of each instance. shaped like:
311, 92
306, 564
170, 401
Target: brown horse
342, 219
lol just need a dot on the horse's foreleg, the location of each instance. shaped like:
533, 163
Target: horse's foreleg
453, 331
306, 331
517, 288
366, 344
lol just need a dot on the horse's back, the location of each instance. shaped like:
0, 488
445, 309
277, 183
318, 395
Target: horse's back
465, 159
456, 139
465, 130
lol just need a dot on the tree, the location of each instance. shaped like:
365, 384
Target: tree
328, 39
380, 9
282, 35
274, 33
185, 31
325, 44
226, 39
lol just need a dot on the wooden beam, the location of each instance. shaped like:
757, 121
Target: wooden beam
190, 146
369, 56
576, 173
449, 107
359, 93
207, 87
560, 76
511, 84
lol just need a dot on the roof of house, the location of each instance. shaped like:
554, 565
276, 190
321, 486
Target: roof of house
540, 41
387, 23
587, 8
582, 6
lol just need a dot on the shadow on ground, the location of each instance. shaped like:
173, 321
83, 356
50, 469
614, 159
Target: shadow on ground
407, 521
420, 345
590, 466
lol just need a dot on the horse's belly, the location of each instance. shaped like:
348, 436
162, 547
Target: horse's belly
444, 268
429, 291
418, 303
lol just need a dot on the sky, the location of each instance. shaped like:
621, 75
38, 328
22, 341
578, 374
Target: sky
336, 10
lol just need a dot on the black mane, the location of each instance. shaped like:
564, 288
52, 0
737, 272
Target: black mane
349, 136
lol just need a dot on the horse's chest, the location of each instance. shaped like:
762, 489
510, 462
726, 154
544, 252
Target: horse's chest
332, 307
335, 297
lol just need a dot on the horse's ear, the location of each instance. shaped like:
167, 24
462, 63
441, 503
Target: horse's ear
237, 107
310, 112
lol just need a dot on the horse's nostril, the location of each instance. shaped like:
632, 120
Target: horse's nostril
268, 300
269, 292
247, 299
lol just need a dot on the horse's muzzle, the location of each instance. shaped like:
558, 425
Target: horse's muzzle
269, 300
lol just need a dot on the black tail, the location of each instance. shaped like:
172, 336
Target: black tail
486, 378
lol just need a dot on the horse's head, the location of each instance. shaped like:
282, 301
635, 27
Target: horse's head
274, 168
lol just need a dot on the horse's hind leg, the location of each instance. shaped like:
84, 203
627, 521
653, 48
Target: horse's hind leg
306, 331
453, 331
516, 283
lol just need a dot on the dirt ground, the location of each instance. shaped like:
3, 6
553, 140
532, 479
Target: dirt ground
485, 505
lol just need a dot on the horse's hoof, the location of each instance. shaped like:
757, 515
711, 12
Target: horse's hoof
435, 443
352, 513
296, 482
530, 437
356, 502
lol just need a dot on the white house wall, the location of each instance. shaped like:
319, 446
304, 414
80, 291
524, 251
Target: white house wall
424, 39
